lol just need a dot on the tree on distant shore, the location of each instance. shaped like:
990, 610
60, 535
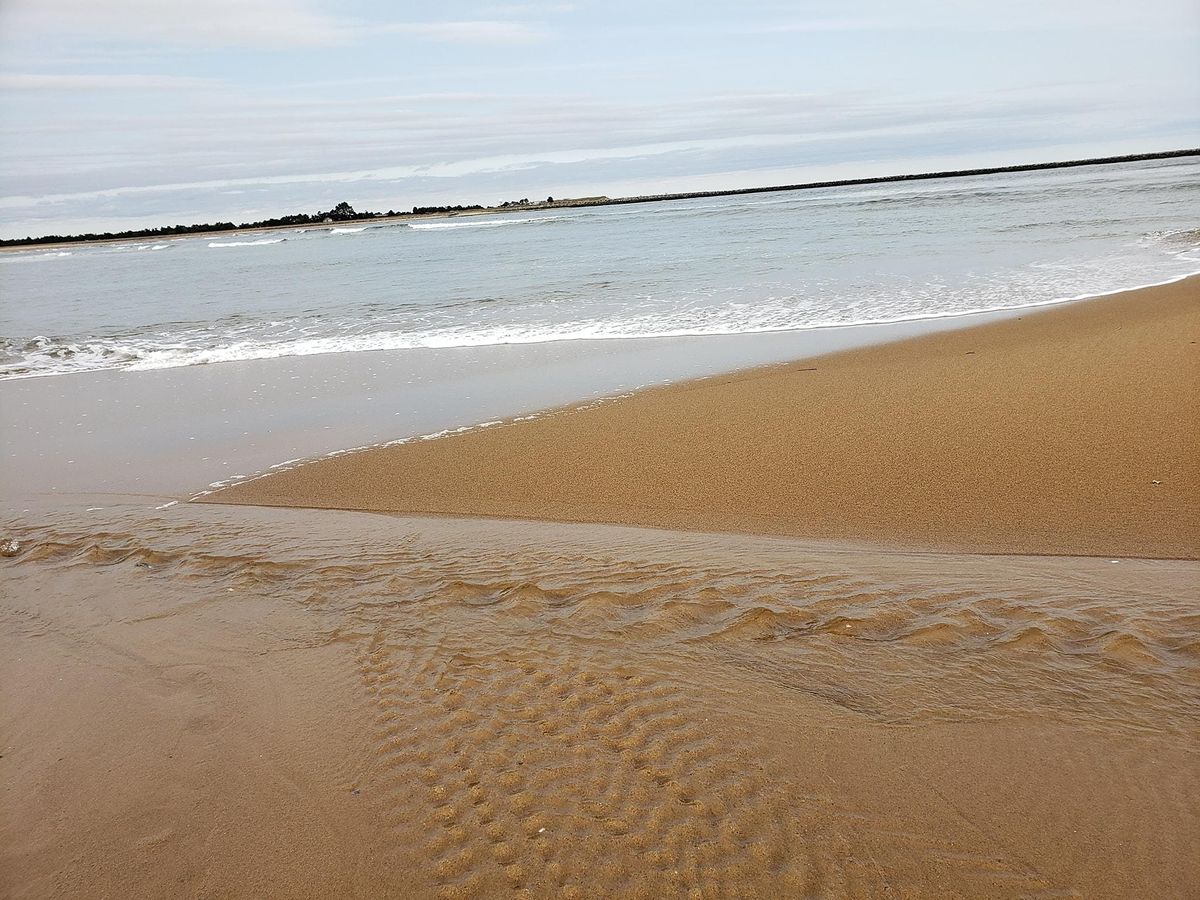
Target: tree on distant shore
343, 212
425, 210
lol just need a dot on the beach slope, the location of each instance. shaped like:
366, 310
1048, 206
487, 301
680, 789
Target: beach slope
1073, 429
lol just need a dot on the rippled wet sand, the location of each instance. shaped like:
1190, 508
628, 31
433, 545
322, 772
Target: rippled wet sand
240, 701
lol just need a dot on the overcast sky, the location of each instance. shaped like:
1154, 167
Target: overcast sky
123, 113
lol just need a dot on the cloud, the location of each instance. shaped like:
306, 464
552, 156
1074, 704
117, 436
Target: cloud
1064, 14
531, 9
260, 23
258, 145
86, 82
271, 24
979, 16
815, 26
477, 32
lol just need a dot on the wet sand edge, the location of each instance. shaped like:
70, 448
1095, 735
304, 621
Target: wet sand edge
1072, 429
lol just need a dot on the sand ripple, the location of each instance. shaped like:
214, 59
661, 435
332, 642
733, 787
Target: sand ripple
584, 711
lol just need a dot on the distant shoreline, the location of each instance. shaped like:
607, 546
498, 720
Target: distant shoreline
921, 176
18, 244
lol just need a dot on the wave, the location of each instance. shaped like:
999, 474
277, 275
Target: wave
33, 257
1179, 236
247, 243
43, 355
486, 223
207, 345
589, 309
138, 248
347, 230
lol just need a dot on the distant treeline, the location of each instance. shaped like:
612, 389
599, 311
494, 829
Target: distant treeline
422, 210
344, 212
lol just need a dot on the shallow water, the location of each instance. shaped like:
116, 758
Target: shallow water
1136, 620
582, 710
119, 432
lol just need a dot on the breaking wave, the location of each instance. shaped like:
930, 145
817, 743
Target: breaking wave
730, 267
33, 257
247, 243
485, 223
233, 341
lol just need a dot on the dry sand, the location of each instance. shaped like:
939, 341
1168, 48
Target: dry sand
1070, 430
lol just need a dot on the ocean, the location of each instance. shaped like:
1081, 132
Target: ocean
750, 264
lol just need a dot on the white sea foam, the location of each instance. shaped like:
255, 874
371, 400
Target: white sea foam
347, 230
45, 356
261, 243
484, 223
288, 465
33, 257
136, 248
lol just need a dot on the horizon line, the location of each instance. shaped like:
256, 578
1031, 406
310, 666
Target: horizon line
569, 203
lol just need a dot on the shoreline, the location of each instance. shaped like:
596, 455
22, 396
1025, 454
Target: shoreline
864, 323
306, 408
495, 460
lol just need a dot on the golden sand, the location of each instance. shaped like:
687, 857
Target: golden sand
238, 702
1070, 430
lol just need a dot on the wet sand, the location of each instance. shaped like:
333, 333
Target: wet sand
1070, 430
125, 432
212, 699
221, 701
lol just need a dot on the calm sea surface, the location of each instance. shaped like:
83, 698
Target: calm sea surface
758, 263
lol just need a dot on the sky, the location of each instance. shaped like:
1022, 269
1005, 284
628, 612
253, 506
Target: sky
129, 113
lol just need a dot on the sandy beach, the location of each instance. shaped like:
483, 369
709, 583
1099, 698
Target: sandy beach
226, 699
222, 701
1073, 429
867, 648
709, 451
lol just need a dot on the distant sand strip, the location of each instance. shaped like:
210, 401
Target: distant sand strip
1069, 430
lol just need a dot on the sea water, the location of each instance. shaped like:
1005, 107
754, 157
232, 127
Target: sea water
772, 262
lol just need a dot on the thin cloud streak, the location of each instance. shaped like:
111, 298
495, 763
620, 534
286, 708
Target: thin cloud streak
259, 23
531, 9
90, 82
268, 24
477, 32
816, 26
574, 133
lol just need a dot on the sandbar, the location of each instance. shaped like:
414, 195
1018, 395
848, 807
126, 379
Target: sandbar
1070, 430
